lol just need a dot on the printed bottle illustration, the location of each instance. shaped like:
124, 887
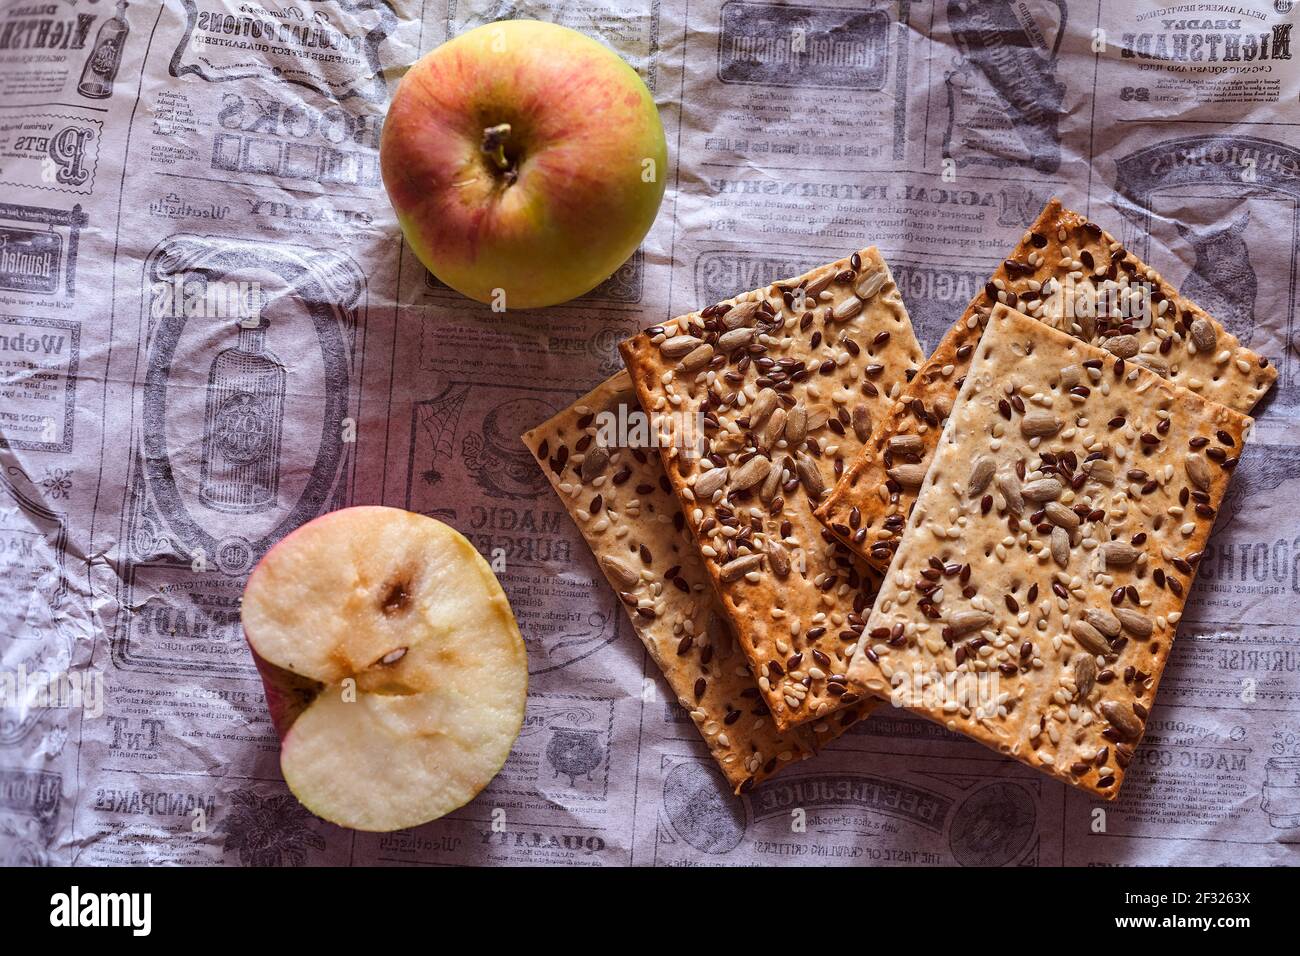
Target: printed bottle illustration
242, 425
1281, 798
105, 57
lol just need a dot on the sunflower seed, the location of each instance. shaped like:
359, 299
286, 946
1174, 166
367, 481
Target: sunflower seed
1203, 335
709, 482
981, 474
809, 475
778, 558
861, 422
818, 283
1009, 485
772, 485
796, 425
772, 430
1122, 719
679, 346
1089, 638
1085, 674
1101, 470
1039, 423
906, 445
1102, 621
594, 463
1119, 554
963, 622
763, 404
734, 339
737, 568
1088, 323
1125, 346
1198, 471
1043, 489
1156, 365
1139, 625
696, 359
624, 575
1061, 516
908, 475
846, 309
740, 314
869, 283
750, 473
1061, 546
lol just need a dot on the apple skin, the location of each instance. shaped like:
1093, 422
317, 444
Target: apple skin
574, 203
287, 694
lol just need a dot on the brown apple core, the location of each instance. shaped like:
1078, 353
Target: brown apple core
396, 599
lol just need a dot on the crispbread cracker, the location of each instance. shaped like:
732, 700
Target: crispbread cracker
788, 378
1071, 605
1052, 264
664, 588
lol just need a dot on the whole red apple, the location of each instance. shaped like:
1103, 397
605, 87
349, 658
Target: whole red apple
525, 162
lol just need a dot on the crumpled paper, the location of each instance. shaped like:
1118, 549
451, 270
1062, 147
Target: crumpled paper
148, 457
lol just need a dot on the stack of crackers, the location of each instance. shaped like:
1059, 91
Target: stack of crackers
815, 518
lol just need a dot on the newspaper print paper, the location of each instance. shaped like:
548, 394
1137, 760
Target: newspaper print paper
148, 458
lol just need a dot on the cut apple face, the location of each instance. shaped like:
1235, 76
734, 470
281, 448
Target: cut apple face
394, 669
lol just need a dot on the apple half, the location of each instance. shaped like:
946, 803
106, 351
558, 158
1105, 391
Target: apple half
394, 669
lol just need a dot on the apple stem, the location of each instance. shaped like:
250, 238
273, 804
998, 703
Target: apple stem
494, 144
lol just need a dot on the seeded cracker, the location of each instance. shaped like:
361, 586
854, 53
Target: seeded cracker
1062, 267
789, 379
630, 518
1051, 549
